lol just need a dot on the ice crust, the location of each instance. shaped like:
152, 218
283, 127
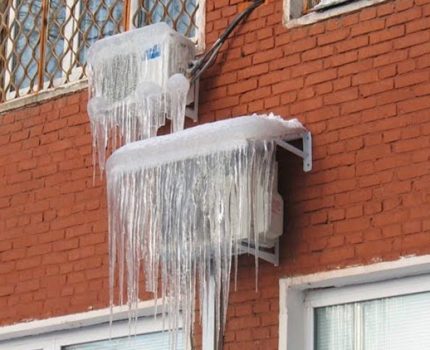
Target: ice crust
178, 206
136, 81
203, 139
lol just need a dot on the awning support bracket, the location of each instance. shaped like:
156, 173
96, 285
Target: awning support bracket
305, 153
272, 255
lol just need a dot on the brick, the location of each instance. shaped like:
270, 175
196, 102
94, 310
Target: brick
288, 85
413, 105
374, 248
357, 224
403, 17
341, 96
302, 45
385, 9
28, 263
267, 56
319, 77
307, 68
332, 37
242, 86
341, 59
353, 43
255, 70
387, 34
337, 255
412, 40
374, 50
376, 88
355, 67
419, 50
410, 79
318, 53
365, 27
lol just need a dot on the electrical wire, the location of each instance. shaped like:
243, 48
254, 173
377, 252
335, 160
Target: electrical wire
209, 57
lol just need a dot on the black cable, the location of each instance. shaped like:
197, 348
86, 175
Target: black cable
212, 53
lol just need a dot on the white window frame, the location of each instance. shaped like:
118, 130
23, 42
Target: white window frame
57, 332
299, 296
313, 17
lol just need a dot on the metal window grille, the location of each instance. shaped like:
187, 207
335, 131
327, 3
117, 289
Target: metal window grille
44, 43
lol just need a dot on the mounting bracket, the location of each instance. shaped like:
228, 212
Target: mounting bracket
192, 109
305, 153
271, 255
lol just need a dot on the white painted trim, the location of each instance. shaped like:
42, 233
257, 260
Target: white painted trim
201, 24
314, 17
376, 290
58, 340
43, 96
74, 321
293, 292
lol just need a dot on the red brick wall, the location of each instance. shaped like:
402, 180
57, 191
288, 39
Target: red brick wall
359, 82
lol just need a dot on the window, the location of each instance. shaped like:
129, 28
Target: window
148, 341
91, 331
44, 43
303, 12
394, 323
382, 306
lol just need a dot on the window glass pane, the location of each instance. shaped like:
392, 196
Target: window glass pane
396, 323
150, 341
179, 14
55, 40
334, 327
26, 38
98, 19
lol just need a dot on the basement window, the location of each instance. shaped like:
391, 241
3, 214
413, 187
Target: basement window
304, 12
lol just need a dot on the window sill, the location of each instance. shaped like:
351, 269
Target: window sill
74, 321
42, 96
314, 17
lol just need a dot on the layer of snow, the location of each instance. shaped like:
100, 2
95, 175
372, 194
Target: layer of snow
203, 139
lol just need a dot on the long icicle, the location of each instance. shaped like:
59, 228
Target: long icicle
184, 219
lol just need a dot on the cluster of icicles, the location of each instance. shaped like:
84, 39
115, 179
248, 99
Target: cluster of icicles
133, 86
179, 206
138, 116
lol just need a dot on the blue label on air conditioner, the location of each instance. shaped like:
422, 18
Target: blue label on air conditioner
153, 52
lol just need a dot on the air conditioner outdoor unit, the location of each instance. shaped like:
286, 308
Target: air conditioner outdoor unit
137, 80
154, 53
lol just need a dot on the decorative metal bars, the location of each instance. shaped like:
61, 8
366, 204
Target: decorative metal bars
44, 43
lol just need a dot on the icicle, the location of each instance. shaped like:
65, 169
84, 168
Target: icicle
182, 203
135, 83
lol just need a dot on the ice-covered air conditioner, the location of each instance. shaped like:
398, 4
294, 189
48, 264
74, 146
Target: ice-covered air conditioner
138, 80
